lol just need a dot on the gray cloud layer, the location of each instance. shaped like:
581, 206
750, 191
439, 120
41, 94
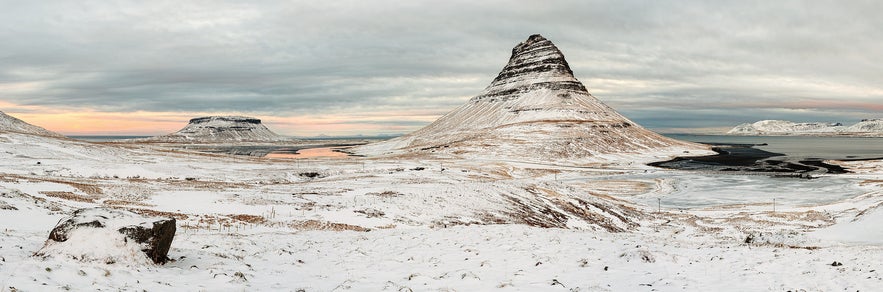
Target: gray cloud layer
666, 64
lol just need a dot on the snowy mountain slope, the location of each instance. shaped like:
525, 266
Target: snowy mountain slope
11, 124
215, 129
868, 127
534, 109
467, 224
251, 224
780, 127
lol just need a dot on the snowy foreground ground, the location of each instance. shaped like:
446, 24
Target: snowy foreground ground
422, 224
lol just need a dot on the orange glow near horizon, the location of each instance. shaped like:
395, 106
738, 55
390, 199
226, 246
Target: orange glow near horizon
88, 122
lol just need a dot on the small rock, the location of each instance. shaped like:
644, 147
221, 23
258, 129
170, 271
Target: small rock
310, 174
240, 275
154, 235
555, 282
371, 213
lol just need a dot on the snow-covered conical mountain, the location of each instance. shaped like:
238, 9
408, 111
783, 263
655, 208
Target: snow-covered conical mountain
12, 124
534, 109
215, 129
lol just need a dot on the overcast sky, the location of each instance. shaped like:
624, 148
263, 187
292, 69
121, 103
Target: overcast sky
349, 67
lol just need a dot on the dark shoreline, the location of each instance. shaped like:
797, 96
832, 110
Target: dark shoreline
744, 158
263, 150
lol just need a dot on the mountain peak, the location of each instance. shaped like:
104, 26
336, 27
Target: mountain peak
533, 110
535, 38
536, 63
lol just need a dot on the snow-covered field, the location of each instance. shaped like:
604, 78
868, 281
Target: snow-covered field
423, 223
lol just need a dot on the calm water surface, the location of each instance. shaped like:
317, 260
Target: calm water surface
308, 153
105, 138
801, 147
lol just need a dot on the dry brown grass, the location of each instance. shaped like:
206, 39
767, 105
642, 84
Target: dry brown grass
583, 209
538, 172
210, 185
325, 225
871, 182
68, 196
863, 212
253, 219
124, 203
617, 187
490, 218
155, 213
385, 194
534, 213
805, 219
700, 225
7, 178
807, 216
86, 188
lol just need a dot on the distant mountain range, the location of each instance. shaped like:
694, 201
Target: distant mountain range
865, 128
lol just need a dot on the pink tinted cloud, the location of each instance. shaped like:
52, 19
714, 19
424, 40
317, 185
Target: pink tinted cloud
810, 104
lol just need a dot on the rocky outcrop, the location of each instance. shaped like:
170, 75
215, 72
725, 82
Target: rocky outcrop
534, 109
535, 64
111, 236
219, 129
11, 124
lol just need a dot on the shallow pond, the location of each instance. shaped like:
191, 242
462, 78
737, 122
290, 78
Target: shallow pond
308, 153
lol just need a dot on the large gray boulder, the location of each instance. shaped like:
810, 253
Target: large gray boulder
111, 236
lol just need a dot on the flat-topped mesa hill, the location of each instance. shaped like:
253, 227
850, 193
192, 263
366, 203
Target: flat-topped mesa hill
12, 124
535, 109
219, 129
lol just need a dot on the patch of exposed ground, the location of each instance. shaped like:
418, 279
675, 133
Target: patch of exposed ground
324, 225
68, 196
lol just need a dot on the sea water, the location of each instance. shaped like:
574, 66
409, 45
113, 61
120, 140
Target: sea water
798, 147
688, 190
105, 138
